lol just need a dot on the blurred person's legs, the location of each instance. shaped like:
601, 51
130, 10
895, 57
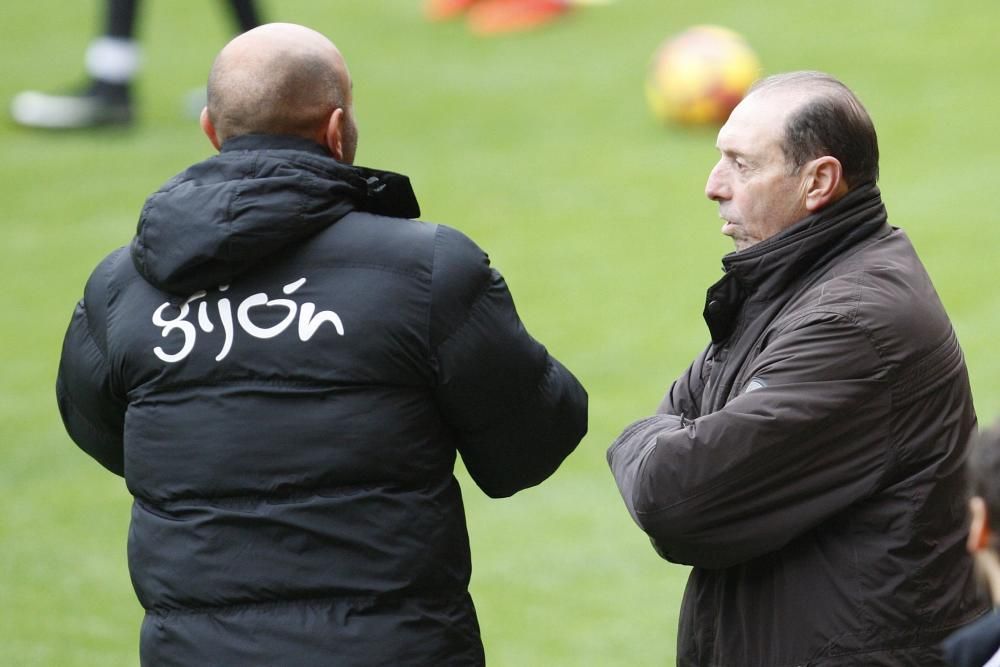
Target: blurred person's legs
112, 62
247, 18
246, 14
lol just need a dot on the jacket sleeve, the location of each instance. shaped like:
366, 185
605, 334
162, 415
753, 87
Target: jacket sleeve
93, 415
684, 397
774, 462
516, 411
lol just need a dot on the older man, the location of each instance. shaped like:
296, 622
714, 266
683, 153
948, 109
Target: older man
808, 464
283, 367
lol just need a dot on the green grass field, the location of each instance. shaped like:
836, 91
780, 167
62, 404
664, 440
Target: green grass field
540, 147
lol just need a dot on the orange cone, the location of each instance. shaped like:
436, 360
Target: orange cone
442, 10
491, 17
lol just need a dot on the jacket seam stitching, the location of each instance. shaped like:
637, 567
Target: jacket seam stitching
325, 491
372, 599
139, 393
479, 298
91, 332
97, 429
430, 297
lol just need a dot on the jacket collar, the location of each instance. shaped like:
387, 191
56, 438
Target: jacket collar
766, 269
221, 217
379, 192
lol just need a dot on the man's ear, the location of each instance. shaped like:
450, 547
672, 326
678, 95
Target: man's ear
979, 529
826, 183
209, 129
334, 135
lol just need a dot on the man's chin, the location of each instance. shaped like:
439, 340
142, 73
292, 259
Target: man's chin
731, 230
740, 244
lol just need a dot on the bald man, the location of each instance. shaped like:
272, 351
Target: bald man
283, 366
808, 463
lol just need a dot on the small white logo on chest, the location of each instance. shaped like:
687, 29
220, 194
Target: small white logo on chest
309, 321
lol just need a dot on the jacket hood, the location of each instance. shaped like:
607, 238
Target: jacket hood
219, 218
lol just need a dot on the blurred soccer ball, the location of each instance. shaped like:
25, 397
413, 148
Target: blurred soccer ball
699, 75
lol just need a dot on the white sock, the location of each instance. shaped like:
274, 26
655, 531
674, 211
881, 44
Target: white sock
113, 59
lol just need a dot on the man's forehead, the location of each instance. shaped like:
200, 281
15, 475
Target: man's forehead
756, 124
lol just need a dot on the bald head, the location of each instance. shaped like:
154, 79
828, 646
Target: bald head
283, 79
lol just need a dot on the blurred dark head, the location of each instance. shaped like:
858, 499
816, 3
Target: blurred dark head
984, 473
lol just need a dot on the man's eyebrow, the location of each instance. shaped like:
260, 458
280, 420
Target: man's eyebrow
731, 152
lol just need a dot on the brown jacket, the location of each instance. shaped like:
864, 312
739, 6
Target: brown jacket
809, 462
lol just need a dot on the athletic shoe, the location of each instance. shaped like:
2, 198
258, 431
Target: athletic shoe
98, 104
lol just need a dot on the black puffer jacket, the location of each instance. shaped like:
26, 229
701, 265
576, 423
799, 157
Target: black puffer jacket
283, 369
809, 464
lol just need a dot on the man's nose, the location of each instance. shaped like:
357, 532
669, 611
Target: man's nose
715, 188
